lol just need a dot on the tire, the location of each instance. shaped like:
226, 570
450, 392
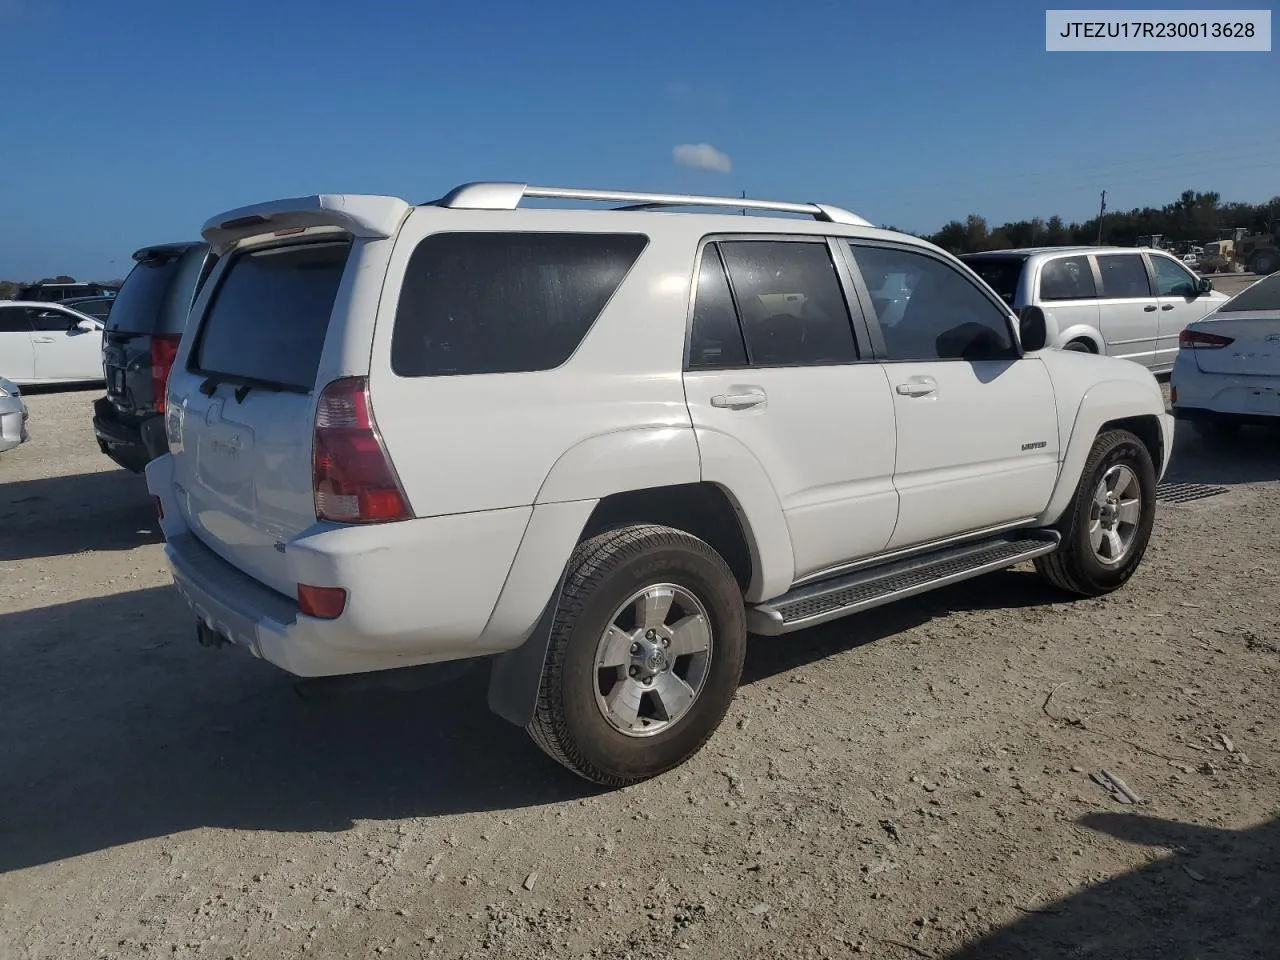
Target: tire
1264, 262
572, 722
1076, 566
1078, 346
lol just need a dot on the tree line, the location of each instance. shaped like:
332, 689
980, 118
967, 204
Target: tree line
1193, 218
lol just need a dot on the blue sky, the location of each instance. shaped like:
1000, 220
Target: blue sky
131, 123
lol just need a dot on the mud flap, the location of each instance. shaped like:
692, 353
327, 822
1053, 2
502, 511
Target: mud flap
516, 675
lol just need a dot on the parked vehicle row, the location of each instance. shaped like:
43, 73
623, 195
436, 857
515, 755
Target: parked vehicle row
594, 449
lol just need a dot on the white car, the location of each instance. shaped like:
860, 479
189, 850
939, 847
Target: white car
13, 416
47, 343
1120, 301
596, 447
1227, 372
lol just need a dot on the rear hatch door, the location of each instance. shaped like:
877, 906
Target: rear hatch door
245, 401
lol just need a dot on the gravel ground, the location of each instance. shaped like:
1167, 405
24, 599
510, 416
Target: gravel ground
914, 782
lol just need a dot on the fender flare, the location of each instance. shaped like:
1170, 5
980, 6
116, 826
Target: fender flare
1079, 331
1102, 403
595, 468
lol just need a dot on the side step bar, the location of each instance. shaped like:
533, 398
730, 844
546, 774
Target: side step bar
829, 599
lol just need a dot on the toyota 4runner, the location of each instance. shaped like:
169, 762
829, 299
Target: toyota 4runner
598, 447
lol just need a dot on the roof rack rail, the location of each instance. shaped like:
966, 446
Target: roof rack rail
500, 195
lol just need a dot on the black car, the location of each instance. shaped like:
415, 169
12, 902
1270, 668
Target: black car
139, 345
53, 291
96, 307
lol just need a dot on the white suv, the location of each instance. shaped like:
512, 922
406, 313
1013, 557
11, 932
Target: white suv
597, 447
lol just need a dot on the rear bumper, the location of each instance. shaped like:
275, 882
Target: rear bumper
1214, 395
420, 591
131, 445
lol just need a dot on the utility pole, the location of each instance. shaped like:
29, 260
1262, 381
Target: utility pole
744, 209
1101, 211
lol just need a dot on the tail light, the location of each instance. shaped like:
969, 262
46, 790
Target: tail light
352, 477
164, 350
1199, 340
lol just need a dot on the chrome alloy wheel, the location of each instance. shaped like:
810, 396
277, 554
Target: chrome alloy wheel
1114, 515
653, 660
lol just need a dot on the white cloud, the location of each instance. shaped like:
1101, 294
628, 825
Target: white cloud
702, 156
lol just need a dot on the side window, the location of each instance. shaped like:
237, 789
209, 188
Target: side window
930, 311
51, 320
789, 298
1124, 276
716, 339
504, 302
14, 320
1171, 279
1067, 278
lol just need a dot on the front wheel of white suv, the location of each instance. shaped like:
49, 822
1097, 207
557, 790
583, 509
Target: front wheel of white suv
646, 653
1106, 528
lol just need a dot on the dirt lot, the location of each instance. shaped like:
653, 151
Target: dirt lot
911, 783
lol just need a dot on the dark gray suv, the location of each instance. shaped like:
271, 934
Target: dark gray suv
138, 348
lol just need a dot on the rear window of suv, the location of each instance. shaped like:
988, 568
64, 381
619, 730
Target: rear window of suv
157, 294
504, 302
1001, 274
269, 316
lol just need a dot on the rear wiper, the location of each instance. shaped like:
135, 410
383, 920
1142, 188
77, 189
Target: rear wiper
242, 391
209, 385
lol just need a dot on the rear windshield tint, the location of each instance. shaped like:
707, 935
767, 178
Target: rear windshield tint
1263, 295
157, 294
1001, 274
270, 313
504, 302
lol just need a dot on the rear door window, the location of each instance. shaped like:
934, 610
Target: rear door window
268, 318
476, 303
790, 302
1001, 274
1067, 278
157, 294
1124, 276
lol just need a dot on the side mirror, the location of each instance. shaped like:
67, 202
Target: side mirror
1204, 285
1033, 328
86, 326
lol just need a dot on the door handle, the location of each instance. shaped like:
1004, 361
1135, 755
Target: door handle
917, 388
1167, 306
1150, 309
42, 339
739, 401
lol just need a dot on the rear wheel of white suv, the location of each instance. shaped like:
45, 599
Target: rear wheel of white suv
646, 653
1106, 529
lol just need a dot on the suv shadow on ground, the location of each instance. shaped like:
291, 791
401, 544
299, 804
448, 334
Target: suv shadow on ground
1212, 893
55, 516
120, 728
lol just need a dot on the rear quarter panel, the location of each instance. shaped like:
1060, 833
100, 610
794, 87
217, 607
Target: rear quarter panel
485, 442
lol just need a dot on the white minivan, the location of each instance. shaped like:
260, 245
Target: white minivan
1119, 301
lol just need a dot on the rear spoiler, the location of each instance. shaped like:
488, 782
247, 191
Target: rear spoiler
360, 216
